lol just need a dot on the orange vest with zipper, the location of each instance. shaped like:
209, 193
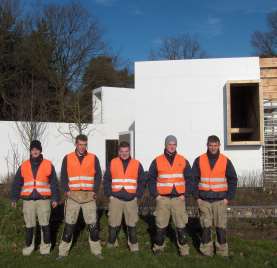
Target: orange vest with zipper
124, 180
170, 176
213, 179
40, 182
81, 174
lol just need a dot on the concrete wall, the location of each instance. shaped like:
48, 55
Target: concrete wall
118, 108
113, 113
55, 145
115, 107
186, 98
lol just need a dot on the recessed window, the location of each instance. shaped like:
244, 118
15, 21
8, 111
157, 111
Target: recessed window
244, 113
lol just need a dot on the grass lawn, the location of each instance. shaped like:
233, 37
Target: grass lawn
246, 253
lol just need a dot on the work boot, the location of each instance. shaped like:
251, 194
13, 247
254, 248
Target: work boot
221, 244
94, 241
112, 239
95, 248
222, 249
29, 242
159, 244
158, 250
67, 238
207, 249
114, 245
132, 239
45, 245
182, 242
183, 250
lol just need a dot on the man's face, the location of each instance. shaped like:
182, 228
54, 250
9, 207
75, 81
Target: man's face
35, 153
213, 147
171, 147
81, 146
124, 152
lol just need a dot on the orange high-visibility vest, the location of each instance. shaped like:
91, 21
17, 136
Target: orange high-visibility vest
81, 175
213, 179
40, 182
170, 176
124, 180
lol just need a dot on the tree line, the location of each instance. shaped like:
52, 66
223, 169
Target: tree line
50, 59
52, 56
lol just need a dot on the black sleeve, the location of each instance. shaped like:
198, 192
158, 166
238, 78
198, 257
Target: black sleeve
195, 177
142, 179
108, 182
152, 177
16, 185
64, 176
54, 185
98, 175
188, 177
232, 180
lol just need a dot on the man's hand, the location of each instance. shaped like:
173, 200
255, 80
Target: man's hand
225, 201
13, 204
198, 200
54, 204
67, 194
182, 197
158, 197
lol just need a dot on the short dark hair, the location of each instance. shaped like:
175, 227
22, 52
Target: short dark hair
213, 139
81, 137
124, 144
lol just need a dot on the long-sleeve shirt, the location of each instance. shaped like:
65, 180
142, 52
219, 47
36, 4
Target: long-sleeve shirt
123, 194
64, 174
230, 175
153, 174
19, 181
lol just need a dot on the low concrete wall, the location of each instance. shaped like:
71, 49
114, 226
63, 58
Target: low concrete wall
250, 212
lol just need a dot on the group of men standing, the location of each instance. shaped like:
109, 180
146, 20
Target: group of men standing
212, 181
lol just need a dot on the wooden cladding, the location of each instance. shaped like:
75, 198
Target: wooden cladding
268, 67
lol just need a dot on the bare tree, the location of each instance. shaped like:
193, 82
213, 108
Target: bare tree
13, 160
178, 47
79, 123
265, 43
31, 129
77, 37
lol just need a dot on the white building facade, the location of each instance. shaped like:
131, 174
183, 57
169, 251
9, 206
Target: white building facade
185, 98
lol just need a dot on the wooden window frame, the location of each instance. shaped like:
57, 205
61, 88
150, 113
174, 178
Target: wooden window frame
231, 130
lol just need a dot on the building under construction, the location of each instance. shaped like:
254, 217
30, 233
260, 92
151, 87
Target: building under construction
269, 87
233, 98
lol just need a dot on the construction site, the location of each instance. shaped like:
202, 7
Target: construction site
235, 98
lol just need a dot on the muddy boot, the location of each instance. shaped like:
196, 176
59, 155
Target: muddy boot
45, 245
112, 240
207, 246
66, 242
182, 242
159, 244
29, 242
221, 244
132, 239
94, 241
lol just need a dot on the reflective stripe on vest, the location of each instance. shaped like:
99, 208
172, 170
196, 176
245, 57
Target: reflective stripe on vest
213, 179
81, 175
124, 180
40, 183
170, 176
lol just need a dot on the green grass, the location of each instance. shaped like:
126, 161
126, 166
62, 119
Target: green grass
246, 253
